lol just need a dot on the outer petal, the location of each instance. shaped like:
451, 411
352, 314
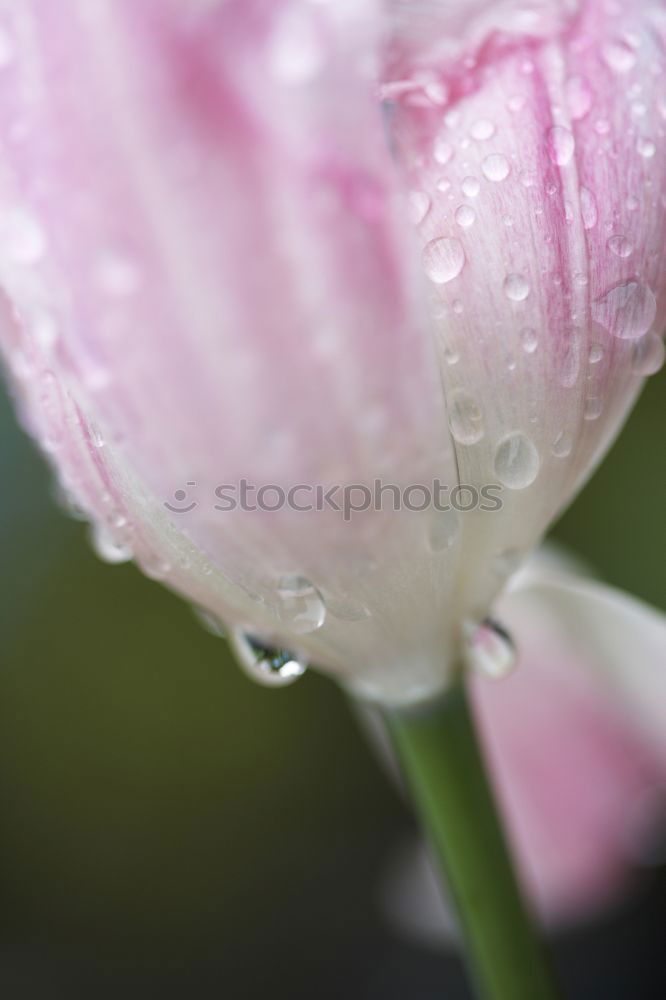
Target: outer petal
534, 142
204, 261
576, 742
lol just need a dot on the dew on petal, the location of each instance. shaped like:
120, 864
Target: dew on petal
443, 259
579, 96
588, 207
465, 216
470, 187
296, 52
560, 145
620, 246
594, 406
517, 461
465, 418
482, 129
562, 445
443, 151
491, 651
596, 353
529, 339
516, 287
618, 55
444, 530
419, 206
627, 311
648, 355
645, 148
302, 608
108, 547
265, 663
495, 167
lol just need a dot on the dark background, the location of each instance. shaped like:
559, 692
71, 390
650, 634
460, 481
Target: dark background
167, 829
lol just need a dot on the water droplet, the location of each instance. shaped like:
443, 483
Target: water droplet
516, 287
516, 103
648, 355
209, 621
296, 53
108, 547
443, 151
96, 435
302, 607
116, 274
482, 129
529, 340
7, 49
22, 237
620, 246
560, 145
517, 461
495, 167
588, 208
465, 418
594, 406
443, 184
627, 311
265, 663
618, 55
579, 97
419, 205
632, 203
346, 609
470, 187
491, 651
155, 567
562, 445
596, 354
444, 530
443, 259
465, 216
458, 307
645, 148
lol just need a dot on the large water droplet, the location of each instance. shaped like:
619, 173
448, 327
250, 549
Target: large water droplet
560, 145
465, 216
443, 259
517, 461
620, 246
302, 608
495, 167
470, 187
588, 208
465, 418
594, 406
516, 287
108, 547
618, 55
491, 651
627, 311
482, 129
266, 664
579, 96
648, 355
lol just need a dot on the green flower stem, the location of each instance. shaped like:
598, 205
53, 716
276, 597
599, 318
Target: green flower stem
442, 762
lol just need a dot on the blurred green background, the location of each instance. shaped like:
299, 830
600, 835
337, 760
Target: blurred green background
169, 829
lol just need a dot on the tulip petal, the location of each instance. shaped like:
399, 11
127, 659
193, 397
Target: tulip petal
206, 254
536, 137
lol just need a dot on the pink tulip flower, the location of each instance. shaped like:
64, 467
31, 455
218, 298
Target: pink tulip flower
300, 243
576, 739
